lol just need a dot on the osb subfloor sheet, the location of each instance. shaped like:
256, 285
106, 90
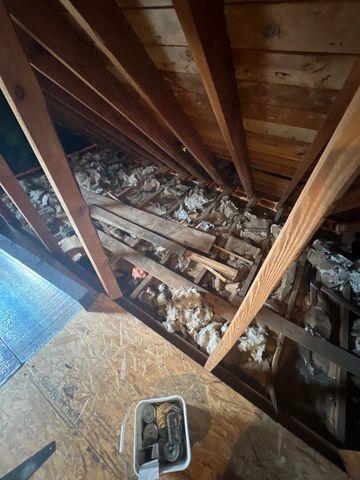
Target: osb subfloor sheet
84, 384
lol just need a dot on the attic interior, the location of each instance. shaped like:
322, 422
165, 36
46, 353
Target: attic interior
179, 215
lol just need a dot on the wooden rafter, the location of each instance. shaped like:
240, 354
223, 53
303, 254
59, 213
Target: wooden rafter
60, 96
17, 195
332, 175
56, 35
108, 28
82, 126
22, 91
204, 26
43, 62
324, 134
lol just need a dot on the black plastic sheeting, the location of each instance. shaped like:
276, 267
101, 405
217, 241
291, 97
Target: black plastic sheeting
32, 311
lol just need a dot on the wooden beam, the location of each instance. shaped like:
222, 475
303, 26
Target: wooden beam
279, 324
58, 95
20, 87
48, 26
17, 195
222, 307
205, 29
43, 62
189, 237
161, 241
324, 134
341, 374
62, 115
332, 175
108, 28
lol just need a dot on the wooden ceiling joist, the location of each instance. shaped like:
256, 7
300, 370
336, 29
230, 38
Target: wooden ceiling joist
50, 67
324, 134
76, 123
17, 195
60, 95
205, 28
71, 119
332, 175
23, 93
48, 27
108, 28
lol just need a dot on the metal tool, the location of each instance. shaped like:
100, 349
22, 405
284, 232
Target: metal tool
26, 469
151, 469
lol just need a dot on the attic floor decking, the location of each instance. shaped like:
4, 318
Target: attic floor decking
83, 385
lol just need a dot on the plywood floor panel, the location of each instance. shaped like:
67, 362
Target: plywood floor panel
95, 371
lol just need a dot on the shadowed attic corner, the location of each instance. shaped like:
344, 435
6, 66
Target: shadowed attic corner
179, 195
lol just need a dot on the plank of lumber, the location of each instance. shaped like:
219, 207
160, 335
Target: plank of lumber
146, 281
289, 311
48, 26
340, 300
108, 28
341, 374
204, 26
229, 272
55, 94
73, 121
145, 234
316, 344
55, 71
162, 273
196, 239
141, 232
349, 201
59, 94
22, 91
273, 320
17, 195
351, 459
324, 134
331, 177
240, 257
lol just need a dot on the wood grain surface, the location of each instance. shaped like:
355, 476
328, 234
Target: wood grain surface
82, 386
22, 91
334, 172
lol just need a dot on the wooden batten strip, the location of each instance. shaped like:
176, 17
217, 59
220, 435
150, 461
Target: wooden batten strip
22, 91
332, 175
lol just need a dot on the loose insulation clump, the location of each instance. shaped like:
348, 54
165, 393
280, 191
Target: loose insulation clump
188, 313
254, 341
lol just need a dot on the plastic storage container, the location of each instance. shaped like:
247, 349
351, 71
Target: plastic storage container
177, 466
